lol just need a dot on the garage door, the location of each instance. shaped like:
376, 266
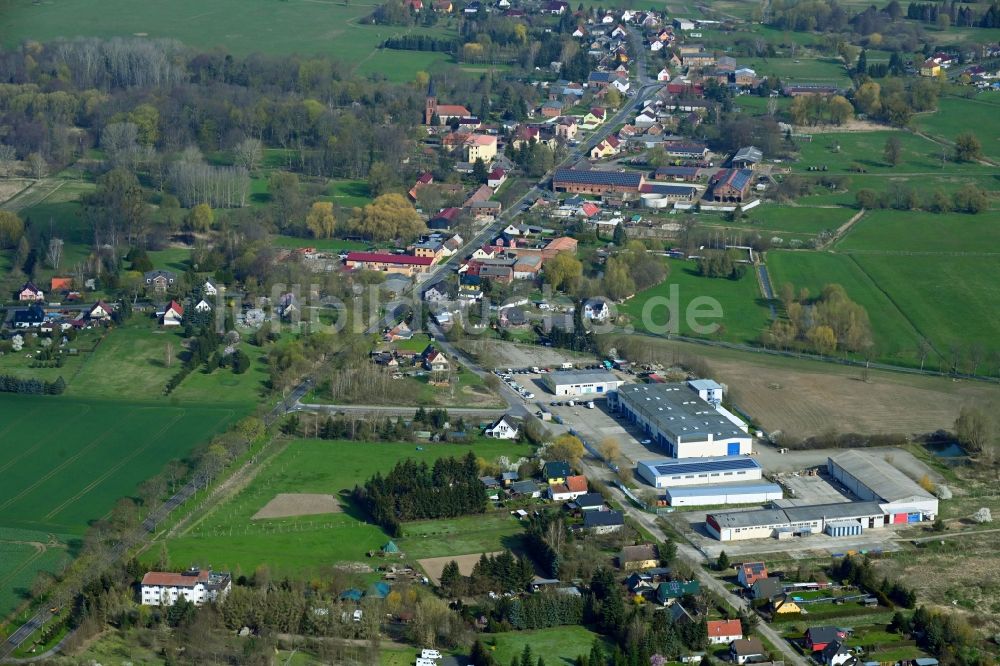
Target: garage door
733, 449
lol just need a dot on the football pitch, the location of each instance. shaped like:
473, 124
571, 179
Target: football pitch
64, 463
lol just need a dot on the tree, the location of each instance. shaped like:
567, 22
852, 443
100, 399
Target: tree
200, 218
722, 563
822, 339
389, 216
54, 253
613, 98
840, 110
11, 229
620, 237
967, 147
479, 171
862, 65
893, 150
320, 219
867, 98
248, 153
563, 270
566, 447
609, 449
974, 429
37, 165
8, 156
970, 199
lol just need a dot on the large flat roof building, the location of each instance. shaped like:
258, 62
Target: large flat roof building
842, 519
582, 382
678, 419
673, 472
723, 493
595, 181
873, 479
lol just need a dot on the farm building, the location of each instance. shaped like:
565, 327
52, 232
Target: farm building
723, 493
793, 520
582, 382
683, 423
596, 182
388, 263
872, 479
698, 472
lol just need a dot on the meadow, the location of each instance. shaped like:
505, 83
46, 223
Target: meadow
560, 645
745, 314
64, 462
956, 115
229, 538
241, 27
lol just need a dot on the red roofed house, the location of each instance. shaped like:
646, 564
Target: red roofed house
30, 293
577, 484
606, 148
415, 5
481, 147
426, 178
61, 284
750, 572
557, 245
164, 589
100, 312
173, 315
496, 178
724, 632
444, 112
589, 209
404, 264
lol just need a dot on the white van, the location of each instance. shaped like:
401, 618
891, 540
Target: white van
430, 654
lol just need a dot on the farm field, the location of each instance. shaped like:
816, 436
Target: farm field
896, 336
229, 538
250, 26
802, 397
745, 314
899, 232
65, 462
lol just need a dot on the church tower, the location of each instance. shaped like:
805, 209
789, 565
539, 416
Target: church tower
430, 106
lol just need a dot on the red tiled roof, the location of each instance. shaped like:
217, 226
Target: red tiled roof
719, 628
166, 579
383, 258
176, 307
576, 484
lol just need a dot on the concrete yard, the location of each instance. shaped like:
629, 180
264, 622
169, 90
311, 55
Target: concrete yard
813, 490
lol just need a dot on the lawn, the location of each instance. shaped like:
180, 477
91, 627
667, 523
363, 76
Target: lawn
927, 233
251, 26
229, 538
558, 645
773, 219
457, 536
745, 313
839, 151
399, 66
956, 115
895, 336
801, 70
58, 478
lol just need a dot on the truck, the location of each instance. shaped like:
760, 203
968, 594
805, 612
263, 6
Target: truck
566, 366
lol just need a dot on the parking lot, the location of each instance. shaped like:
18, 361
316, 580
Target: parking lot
820, 489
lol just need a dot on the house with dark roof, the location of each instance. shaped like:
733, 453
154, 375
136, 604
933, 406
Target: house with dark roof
817, 638
526, 488
675, 589
603, 522
766, 588
836, 654
29, 293
746, 650
589, 502
29, 317
556, 471
637, 558
731, 185
159, 280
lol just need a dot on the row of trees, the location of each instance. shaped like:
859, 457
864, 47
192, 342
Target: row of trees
412, 491
721, 264
492, 573
969, 198
12, 384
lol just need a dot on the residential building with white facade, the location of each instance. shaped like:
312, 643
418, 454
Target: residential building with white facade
160, 588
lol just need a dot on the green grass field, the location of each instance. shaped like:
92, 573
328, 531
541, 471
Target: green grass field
956, 115
839, 151
65, 462
802, 70
745, 314
929, 233
772, 220
240, 27
229, 538
896, 337
558, 645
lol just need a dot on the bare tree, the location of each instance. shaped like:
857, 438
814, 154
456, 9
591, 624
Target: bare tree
976, 355
8, 156
923, 349
55, 253
36, 163
248, 153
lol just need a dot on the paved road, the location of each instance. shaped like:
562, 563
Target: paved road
400, 410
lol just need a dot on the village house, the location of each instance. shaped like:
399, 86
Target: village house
555, 471
606, 148
496, 178
603, 522
388, 263
749, 573
29, 293
443, 112
745, 650
724, 632
100, 311
502, 428
195, 586
173, 315
817, 638
481, 147
637, 558
159, 280
435, 361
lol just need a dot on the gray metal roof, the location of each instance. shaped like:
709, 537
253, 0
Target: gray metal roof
596, 177
678, 411
562, 377
723, 489
748, 154
879, 476
765, 517
704, 384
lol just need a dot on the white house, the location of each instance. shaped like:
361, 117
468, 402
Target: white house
622, 85
502, 429
100, 312
203, 306
173, 315
663, 75
196, 586
656, 46
209, 289
596, 310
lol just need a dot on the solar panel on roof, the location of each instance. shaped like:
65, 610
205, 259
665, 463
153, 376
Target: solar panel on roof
671, 469
620, 178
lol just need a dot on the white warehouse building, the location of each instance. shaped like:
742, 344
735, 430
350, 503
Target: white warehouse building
164, 588
673, 473
582, 382
840, 519
872, 479
723, 493
685, 425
